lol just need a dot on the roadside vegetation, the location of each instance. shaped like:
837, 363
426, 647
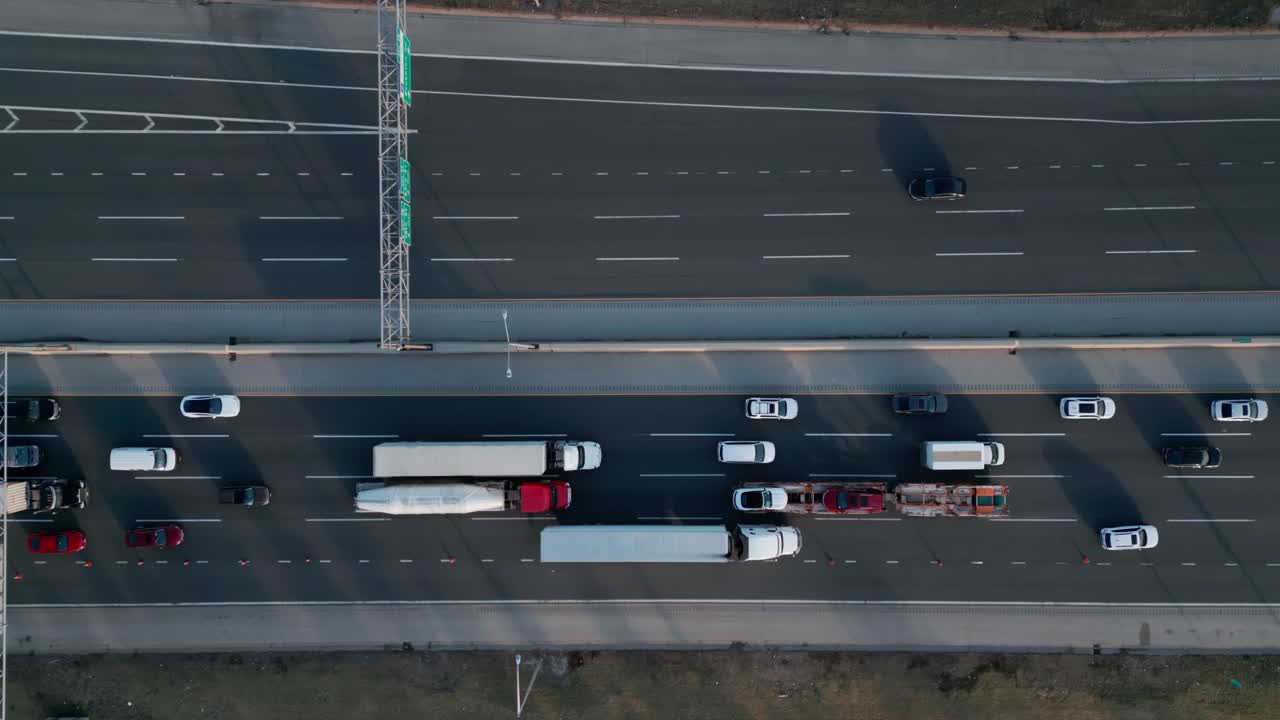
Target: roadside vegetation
840, 15
647, 686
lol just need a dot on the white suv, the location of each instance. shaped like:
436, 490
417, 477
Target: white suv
1239, 410
1087, 408
772, 408
746, 451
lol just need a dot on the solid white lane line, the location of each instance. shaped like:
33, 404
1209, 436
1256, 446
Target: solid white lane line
690, 434
859, 518
332, 437
634, 217
456, 259
1150, 207
8, 259
1022, 434
1216, 520
1207, 434
133, 259
678, 517
851, 475
177, 520
187, 436
1028, 477
978, 254
808, 214
6, 217
164, 476
30, 520
301, 217
303, 259
848, 434
337, 477
475, 217
805, 257
636, 259
1151, 252
978, 212
680, 475
142, 217
527, 435
1208, 477
1043, 520
349, 519
13, 435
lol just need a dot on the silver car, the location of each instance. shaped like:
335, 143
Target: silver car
1087, 408
21, 456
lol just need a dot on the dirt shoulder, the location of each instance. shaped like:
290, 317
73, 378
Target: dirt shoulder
647, 686
835, 16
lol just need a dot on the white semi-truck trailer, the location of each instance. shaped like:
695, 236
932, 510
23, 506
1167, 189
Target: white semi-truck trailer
496, 458
462, 498
667, 543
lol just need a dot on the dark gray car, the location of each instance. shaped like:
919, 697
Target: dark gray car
920, 404
21, 456
939, 188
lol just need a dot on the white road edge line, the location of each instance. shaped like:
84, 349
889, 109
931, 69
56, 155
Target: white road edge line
979, 212
662, 601
303, 259
187, 436
637, 259
142, 217
492, 259
978, 254
1151, 252
133, 259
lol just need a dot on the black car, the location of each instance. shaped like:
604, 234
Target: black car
938, 188
32, 409
245, 495
916, 404
1197, 457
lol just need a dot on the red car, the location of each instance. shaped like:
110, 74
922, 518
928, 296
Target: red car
161, 536
854, 502
56, 542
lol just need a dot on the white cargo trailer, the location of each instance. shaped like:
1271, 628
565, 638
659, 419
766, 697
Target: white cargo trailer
667, 543
513, 458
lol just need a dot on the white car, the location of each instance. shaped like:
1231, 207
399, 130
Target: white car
759, 499
746, 451
772, 408
1087, 408
1239, 410
1130, 537
210, 406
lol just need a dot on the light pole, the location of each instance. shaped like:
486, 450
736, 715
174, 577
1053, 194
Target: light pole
507, 331
519, 346
522, 701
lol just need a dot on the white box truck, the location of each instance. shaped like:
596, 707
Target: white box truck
961, 455
667, 543
497, 458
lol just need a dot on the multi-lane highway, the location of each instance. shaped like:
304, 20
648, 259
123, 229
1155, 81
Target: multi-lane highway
535, 180
1067, 479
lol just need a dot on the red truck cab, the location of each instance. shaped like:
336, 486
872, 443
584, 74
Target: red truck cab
536, 497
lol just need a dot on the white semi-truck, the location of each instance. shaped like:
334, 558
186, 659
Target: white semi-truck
667, 543
488, 458
462, 498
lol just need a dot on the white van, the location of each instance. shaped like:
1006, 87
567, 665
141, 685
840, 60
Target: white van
962, 455
144, 459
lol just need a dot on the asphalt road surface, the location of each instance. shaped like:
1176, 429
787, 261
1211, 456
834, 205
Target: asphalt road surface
551, 181
1067, 479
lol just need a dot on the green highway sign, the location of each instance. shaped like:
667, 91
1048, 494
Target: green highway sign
406, 68
406, 224
404, 179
